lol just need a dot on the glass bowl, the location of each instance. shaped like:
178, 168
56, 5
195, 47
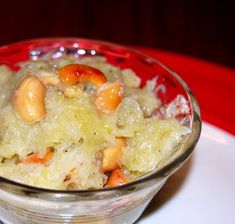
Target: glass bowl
20, 203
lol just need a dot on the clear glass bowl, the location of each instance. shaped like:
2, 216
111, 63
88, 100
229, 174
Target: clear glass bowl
124, 204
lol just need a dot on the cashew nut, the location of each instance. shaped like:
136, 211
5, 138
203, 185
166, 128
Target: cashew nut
111, 155
71, 92
28, 100
109, 96
50, 80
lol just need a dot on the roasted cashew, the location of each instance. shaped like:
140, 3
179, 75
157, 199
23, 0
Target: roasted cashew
28, 100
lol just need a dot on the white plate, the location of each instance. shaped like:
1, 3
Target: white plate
203, 190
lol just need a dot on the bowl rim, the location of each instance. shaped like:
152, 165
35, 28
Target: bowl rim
196, 121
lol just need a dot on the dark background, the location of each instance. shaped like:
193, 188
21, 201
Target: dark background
205, 29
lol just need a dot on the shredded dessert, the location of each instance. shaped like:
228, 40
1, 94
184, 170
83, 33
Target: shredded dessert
71, 123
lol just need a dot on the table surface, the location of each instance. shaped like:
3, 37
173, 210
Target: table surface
213, 85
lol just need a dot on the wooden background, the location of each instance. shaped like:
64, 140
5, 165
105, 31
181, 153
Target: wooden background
199, 28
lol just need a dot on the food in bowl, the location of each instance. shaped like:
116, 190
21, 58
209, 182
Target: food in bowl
71, 123
22, 203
